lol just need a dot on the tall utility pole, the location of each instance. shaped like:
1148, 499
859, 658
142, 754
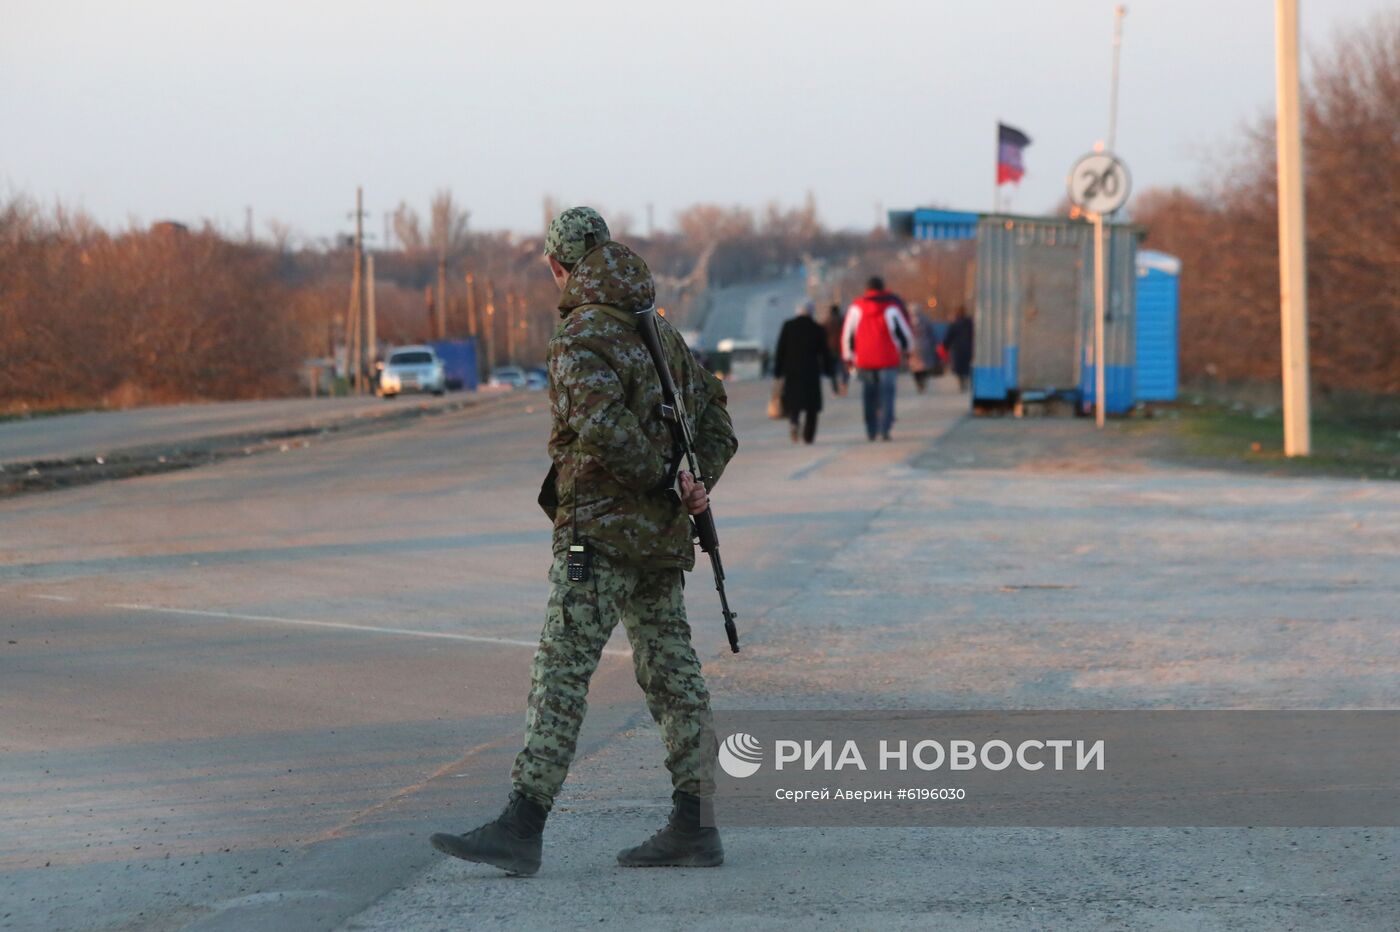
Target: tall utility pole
352, 330
441, 323
510, 328
354, 342
1292, 247
371, 322
472, 327
359, 290
490, 326
1118, 13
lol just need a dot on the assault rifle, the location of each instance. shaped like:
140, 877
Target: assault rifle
673, 410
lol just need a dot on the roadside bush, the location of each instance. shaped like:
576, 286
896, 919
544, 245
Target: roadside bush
93, 318
1227, 238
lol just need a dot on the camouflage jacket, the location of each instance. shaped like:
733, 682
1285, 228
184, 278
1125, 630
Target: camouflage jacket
613, 456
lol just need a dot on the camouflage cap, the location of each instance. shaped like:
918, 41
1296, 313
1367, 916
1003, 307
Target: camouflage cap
575, 232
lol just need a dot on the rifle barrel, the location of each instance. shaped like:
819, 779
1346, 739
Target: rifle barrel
705, 521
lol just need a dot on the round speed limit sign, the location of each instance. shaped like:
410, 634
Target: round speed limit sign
1099, 183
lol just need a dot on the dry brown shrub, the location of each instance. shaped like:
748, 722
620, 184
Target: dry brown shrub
1227, 235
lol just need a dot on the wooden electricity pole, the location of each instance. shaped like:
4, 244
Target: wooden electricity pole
510, 328
371, 321
473, 325
1292, 246
490, 326
472, 328
354, 342
351, 326
442, 296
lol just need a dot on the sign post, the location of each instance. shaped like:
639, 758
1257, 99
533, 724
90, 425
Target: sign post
1099, 302
1099, 184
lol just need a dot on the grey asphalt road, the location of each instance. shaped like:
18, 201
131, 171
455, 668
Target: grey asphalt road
241, 690
97, 432
240, 696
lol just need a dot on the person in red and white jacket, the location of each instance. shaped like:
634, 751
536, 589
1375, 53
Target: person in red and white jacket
874, 341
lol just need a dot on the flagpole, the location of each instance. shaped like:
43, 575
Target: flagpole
996, 172
1119, 12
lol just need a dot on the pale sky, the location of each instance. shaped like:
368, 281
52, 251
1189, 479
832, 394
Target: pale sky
188, 109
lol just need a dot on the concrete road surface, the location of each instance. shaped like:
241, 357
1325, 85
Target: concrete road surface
240, 696
98, 432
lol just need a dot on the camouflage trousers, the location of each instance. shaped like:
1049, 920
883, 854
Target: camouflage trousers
580, 617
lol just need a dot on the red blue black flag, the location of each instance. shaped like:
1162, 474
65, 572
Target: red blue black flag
1010, 143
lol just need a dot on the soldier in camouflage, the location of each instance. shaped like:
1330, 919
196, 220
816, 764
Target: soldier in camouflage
616, 491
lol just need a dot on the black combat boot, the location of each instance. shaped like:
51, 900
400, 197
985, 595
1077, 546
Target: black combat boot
682, 843
512, 842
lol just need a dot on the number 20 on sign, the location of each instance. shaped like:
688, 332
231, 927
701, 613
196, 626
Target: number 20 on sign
1099, 183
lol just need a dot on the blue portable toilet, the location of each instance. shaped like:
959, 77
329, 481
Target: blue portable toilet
1155, 377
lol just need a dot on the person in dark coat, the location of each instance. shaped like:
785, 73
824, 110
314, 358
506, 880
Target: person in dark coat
801, 360
958, 342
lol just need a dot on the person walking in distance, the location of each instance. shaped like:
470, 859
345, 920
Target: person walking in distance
840, 376
873, 341
958, 342
923, 360
621, 508
800, 360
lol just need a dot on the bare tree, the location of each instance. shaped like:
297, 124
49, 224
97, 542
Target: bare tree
712, 223
282, 235
1226, 235
408, 228
448, 229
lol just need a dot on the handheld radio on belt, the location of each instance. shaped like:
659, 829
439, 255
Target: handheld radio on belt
673, 410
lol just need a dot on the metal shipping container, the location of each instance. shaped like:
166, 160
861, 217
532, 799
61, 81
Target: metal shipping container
1034, 320
459, 362
1155, 376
